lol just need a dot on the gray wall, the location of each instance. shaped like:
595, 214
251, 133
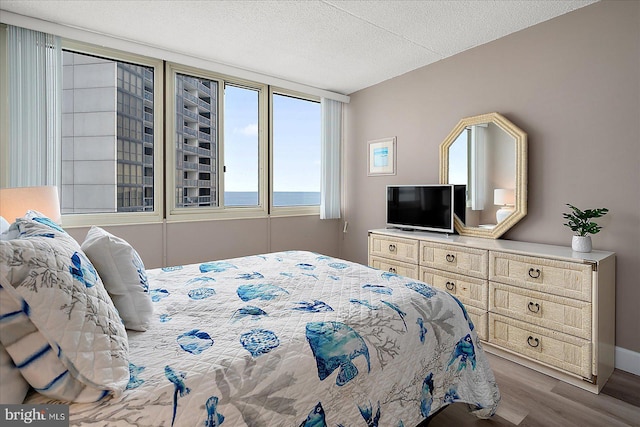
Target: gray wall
190, 242
573, 84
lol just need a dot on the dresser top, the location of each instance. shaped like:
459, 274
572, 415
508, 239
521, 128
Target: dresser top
523, 248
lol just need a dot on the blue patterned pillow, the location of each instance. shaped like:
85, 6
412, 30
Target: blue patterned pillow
58, 323
13, 387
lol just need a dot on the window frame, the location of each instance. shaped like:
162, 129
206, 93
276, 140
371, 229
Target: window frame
176, 214
121, 218
164, 208
284, 211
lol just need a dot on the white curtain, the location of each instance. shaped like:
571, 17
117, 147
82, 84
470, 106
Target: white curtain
35, 91
330, 141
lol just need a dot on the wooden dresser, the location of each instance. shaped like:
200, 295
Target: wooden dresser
544, 306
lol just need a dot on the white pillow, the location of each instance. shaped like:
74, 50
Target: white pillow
13, 387
7, 231
4, 224
58, 323
123, 275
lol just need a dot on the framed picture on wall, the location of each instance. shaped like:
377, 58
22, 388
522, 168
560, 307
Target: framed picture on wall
382, 156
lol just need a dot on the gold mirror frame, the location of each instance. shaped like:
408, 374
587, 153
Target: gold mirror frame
520, 196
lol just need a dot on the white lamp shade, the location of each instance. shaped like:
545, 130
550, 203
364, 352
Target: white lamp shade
15, 202
504, 196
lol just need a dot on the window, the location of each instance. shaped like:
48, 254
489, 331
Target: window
110, 138
98, 93
222, 159
241, 142
296, 151
216, 159
195, 143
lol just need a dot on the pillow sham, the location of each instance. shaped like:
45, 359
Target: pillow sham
123, 274
4, 224
13, 387
59, 324
7, 231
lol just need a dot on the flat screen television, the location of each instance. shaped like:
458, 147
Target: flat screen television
421, 207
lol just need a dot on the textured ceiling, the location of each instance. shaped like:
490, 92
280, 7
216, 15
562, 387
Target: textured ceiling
341, 46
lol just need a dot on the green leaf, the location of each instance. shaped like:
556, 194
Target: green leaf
579, 221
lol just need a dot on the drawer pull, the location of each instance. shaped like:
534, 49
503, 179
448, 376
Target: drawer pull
450, 286
534, 273
392, 270
534, 307
535, 341
392, 248
450, 258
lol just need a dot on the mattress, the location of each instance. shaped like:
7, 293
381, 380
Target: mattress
295, 339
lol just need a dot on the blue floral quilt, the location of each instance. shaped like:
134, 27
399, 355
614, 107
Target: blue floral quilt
296, 339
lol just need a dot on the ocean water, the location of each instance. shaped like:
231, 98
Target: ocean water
280, 198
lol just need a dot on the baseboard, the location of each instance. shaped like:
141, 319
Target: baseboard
627, 360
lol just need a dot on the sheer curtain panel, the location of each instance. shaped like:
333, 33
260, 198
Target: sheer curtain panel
35, 91
330, 140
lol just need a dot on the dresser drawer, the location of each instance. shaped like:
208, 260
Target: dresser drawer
469, 290
456, 259
480, 319
392, 266
549, 311
568, 279
553, 348
405, 250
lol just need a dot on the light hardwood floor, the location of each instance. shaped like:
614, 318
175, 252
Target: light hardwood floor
530, 398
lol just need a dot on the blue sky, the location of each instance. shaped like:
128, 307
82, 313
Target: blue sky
296, 144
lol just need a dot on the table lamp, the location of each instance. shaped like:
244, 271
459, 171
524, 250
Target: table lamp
504, 197
15, 202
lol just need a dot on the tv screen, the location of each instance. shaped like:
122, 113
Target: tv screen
421, 207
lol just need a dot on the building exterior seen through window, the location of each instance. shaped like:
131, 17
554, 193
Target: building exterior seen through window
107, 135
196, 142
108, 141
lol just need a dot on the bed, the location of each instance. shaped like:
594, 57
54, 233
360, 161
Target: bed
292, 339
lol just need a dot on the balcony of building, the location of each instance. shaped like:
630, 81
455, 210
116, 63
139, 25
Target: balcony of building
204, 200
187, 148
192, 166
205, 89
204, 136
204, 104
190, 82
189, 114
189, 98
186, 130
202, 120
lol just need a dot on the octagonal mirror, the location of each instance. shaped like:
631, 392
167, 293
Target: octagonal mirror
485, 156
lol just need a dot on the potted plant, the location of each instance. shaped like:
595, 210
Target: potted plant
580, 223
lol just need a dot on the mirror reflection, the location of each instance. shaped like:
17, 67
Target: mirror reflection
485, 156
482, 158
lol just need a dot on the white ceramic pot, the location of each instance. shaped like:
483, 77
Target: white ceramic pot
581, 243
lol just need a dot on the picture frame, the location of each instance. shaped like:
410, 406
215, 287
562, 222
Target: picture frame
382, 157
